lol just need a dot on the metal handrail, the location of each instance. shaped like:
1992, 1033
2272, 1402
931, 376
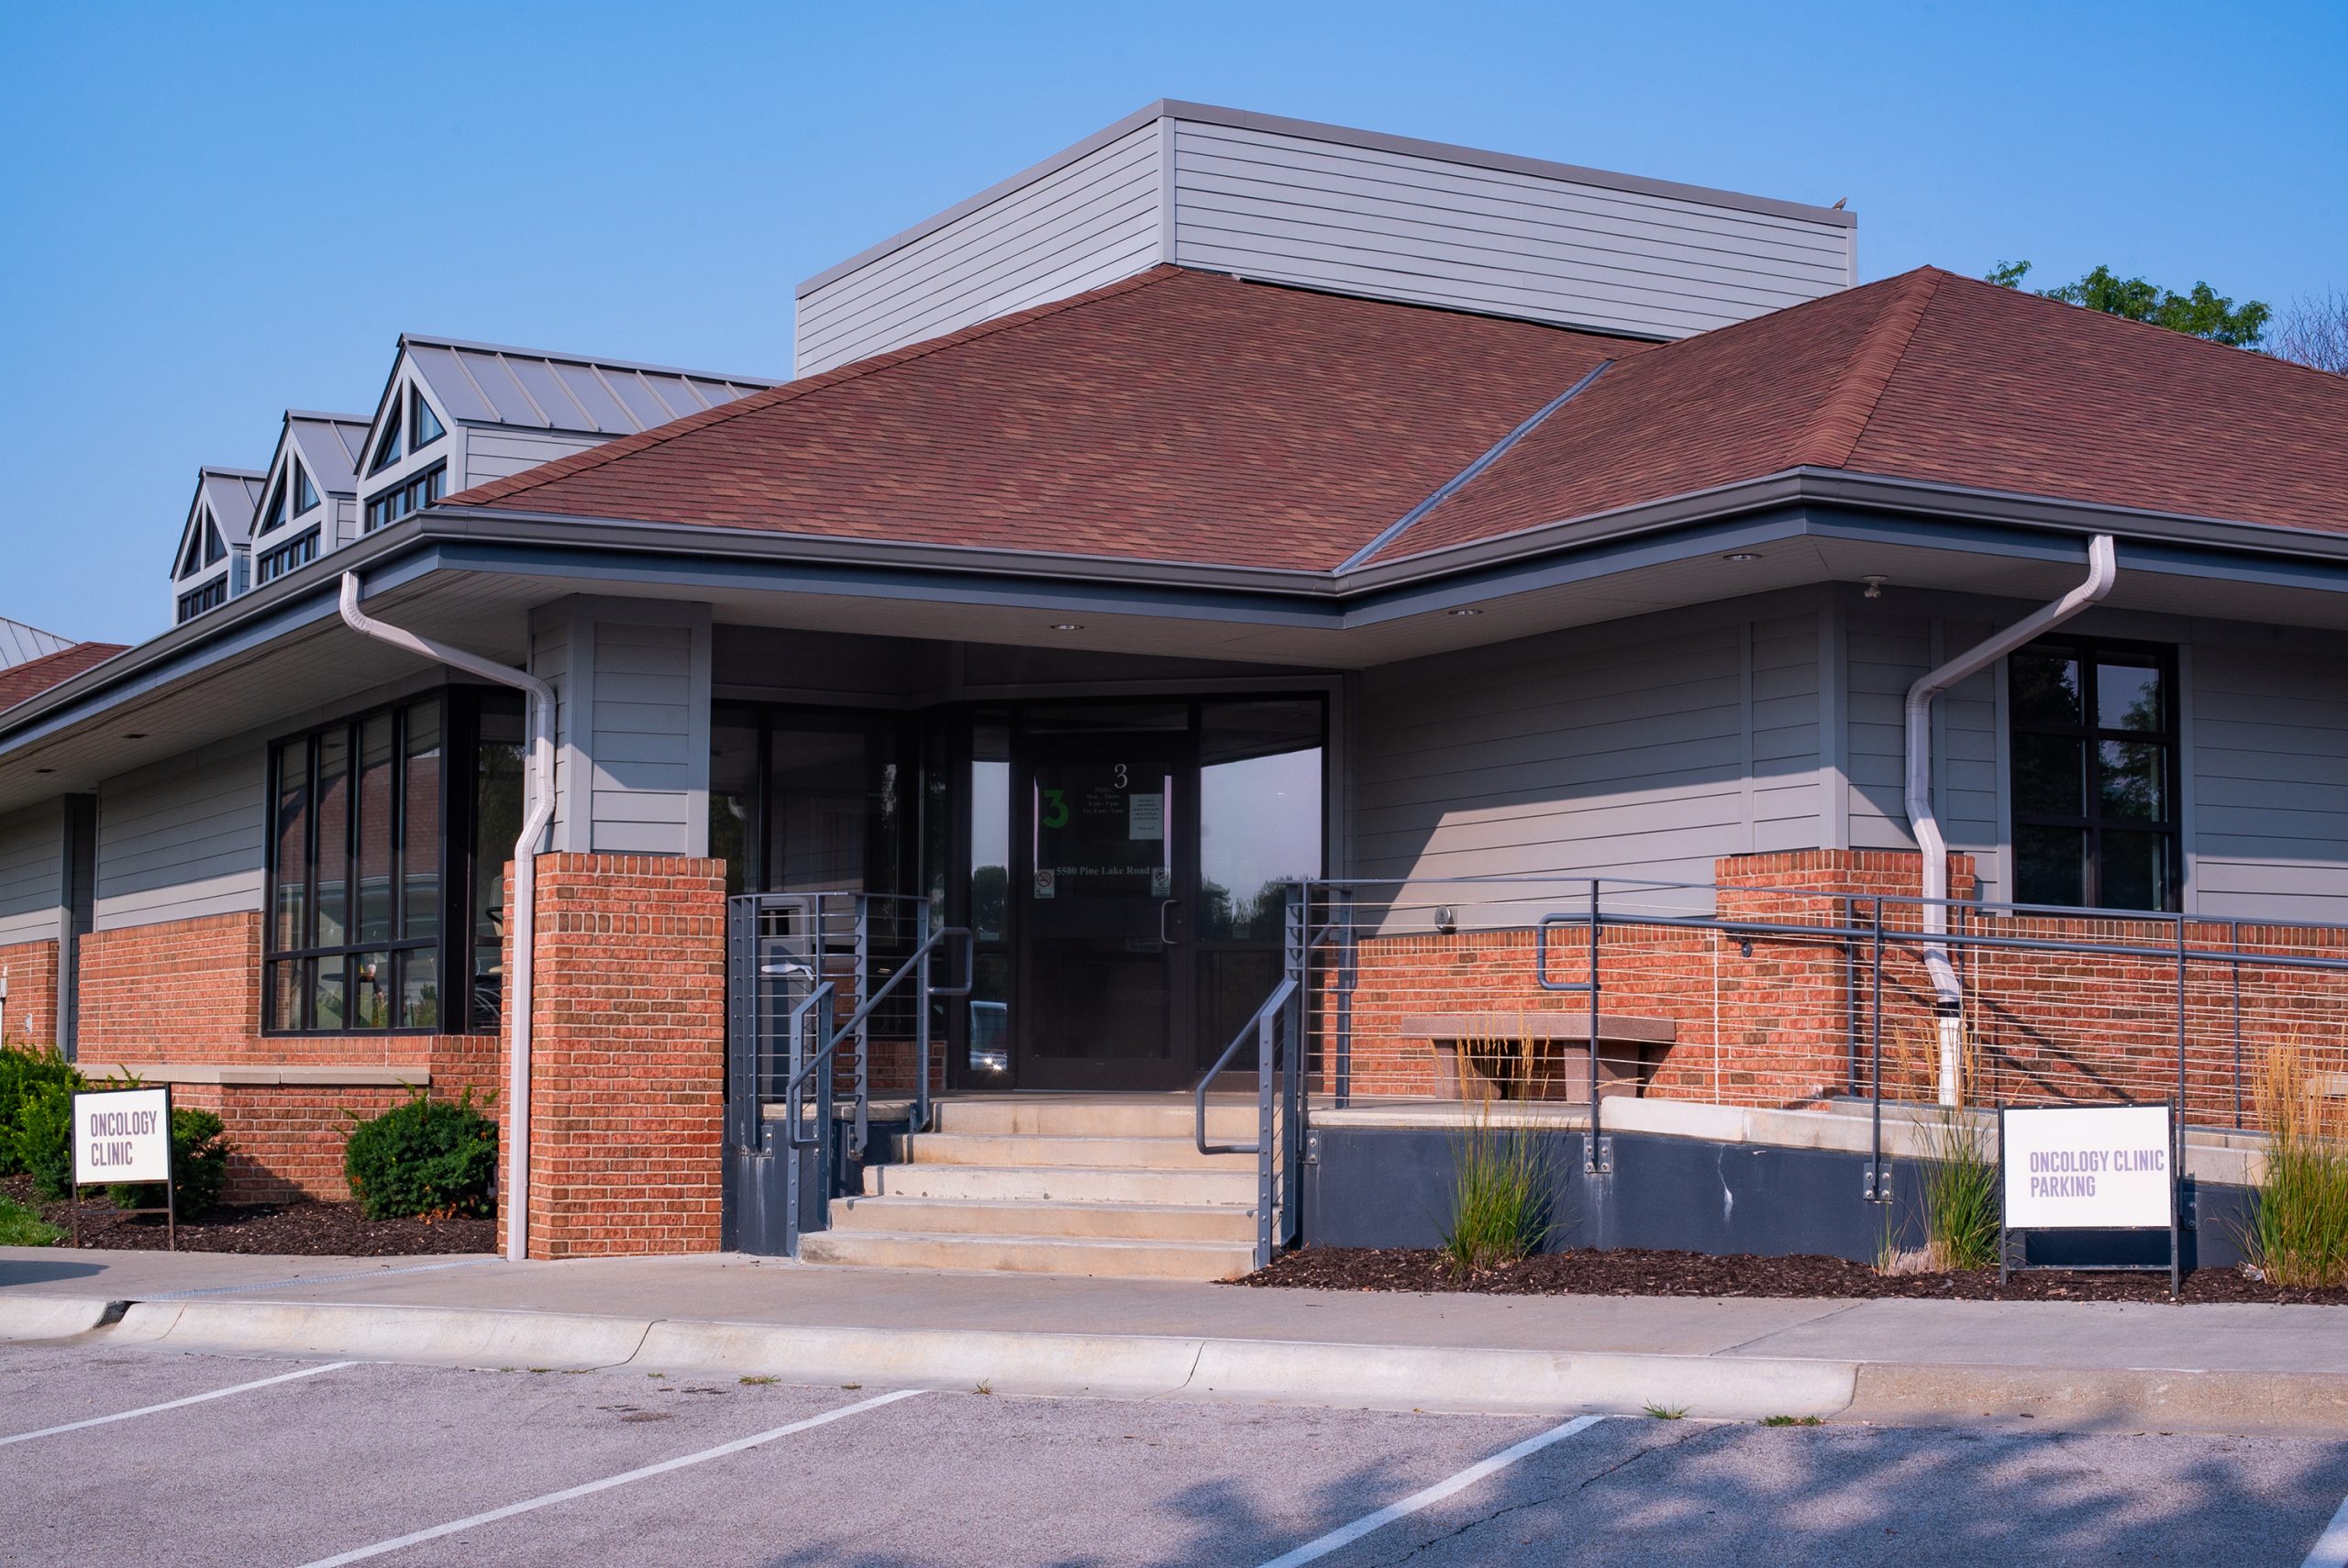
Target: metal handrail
1258, 1024
915, 963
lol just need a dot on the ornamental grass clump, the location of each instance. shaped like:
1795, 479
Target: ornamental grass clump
1501, 1196
430, 1157
1963, 1215
2300, 1237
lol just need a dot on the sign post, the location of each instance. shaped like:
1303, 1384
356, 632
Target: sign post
2088, 1167
125, 1135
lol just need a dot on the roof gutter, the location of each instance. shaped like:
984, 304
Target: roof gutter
1948, 994
537, 791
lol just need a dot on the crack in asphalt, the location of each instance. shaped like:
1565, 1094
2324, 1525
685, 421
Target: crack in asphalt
1500, 1512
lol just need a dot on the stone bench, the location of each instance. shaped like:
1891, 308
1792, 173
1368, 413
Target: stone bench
1540, 1055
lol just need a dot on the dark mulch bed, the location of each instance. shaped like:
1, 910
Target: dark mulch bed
1631, 1271
299, 1230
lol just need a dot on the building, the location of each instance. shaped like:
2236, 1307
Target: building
1544, 569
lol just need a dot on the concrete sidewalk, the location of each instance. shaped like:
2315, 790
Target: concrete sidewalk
2088, 1364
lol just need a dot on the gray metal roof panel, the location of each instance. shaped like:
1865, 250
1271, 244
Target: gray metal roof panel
483, 383
19, 642
234, 495
329, 445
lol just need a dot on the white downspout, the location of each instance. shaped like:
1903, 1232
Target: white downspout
1948, 996
537, 793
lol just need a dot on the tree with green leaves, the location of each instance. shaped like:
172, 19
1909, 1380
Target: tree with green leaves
2202, 312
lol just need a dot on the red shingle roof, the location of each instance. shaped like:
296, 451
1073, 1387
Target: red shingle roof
1176, 415
1182, 415
1930, 376
23, 682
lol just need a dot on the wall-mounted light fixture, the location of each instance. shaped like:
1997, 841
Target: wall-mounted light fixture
1875, 582
1446, 919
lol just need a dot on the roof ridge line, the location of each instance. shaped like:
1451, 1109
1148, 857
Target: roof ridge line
792, 391
1453, 485
1834, 430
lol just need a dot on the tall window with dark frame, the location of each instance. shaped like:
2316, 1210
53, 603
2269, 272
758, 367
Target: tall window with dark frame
356, 872
2095, 775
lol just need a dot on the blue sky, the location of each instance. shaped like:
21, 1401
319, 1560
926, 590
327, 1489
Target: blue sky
214, 212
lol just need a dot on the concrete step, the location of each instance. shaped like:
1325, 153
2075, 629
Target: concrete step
1065, 1184
1002, 1216
1098, 1116
1105, 1257
1034, 1149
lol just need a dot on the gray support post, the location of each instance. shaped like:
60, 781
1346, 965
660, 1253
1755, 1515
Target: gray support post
922, 1005
1878, 1183
1593, 1151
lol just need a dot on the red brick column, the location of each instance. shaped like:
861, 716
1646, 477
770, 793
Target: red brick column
31, 971
627, 1075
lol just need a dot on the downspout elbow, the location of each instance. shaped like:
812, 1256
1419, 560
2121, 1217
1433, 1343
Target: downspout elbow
2103, 572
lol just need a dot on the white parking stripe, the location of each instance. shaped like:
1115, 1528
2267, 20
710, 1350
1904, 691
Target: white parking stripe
586, 1488
1346, 1535
175, 1404
2332, 1546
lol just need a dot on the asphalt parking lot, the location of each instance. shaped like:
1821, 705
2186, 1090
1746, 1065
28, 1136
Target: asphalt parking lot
315, 1462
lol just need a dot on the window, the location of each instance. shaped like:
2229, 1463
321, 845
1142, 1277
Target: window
387, 450
305, 494
286, 557
417, 494
192, 559
423, 427
211, 596
215, 550
273, 515
2094, 772
356, 853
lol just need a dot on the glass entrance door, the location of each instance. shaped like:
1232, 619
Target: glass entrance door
1107, 896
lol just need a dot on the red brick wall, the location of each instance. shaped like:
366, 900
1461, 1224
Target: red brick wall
287, 1140
187, 992
31, 1017
1777, 1018
627, 1055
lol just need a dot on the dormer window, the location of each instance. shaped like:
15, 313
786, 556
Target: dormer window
215, 550
273, 515
305, 494
192, 560
387, 450
424, 425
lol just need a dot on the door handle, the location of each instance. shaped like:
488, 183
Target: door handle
1164, 910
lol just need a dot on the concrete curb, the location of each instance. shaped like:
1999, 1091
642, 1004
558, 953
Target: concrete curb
1138, 1366
1142, 1366
54, 1317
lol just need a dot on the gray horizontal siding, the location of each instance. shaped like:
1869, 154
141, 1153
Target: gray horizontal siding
1646, 749
1886, 653
2267, 751
495, 453
1397, 226
1085, 224
183, 838
32, 851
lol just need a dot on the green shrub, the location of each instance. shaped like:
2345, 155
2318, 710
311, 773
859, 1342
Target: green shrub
426, 1157
1499, 1198
41, 1140
23, 1070
21, 1227
2300, 1236
199, 1167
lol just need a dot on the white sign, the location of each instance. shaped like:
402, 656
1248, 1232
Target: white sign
122, 1135
2087, 1168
